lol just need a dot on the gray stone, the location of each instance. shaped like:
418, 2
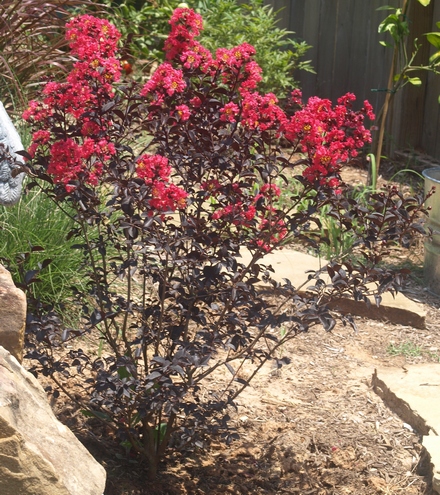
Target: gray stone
12, 315
39, 455
10, 177
293, 265
413, 393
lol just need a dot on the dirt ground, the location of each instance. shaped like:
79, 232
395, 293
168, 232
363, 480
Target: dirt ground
315, 426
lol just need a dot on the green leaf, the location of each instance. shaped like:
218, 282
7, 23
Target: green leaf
416, 81
389, 23
425, 3
386, 7
434, 39
435, 58
123, 372
159, 432
384, 43
438, 99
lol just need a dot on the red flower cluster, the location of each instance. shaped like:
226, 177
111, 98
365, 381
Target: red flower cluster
249, 210
206, 97
83, 156
165, 81
261, 111
272, 232
237, 66
272, 228
328, 135
91, 37
183, 112
89, 84
232, 67
155, 170
185, 26
229, 112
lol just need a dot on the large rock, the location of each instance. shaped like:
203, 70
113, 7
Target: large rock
12, 315
39, 455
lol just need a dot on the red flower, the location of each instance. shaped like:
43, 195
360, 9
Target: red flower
229, 112
152, 167
165, 81
183, 112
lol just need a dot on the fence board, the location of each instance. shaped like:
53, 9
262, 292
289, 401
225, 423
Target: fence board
326, 59
407, 120
303, 19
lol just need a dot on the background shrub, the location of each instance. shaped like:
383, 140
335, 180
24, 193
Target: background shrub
227, 24
32, 233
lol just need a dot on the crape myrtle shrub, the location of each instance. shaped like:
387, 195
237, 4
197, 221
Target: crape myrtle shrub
170, 182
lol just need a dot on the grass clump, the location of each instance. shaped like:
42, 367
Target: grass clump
33, 246
406, 349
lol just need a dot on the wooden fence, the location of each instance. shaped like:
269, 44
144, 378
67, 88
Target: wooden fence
348, 57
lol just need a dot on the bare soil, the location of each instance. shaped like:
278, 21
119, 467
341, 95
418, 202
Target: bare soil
314, 426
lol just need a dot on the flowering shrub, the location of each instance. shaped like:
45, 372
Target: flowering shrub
170, 182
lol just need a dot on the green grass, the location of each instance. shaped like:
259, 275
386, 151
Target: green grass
407, 349
410, 349
35, 230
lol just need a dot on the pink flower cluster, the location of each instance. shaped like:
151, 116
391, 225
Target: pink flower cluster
237, 66
180, 45
83, 155
272, 228
70, 160
328, 135
272, 231
236, 213
233, 67
201, 93
155, 170
261, 111
185, 26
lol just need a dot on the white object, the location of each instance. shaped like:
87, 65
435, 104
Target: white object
10, 187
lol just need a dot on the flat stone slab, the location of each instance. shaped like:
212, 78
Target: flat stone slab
293, 265
413, 393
